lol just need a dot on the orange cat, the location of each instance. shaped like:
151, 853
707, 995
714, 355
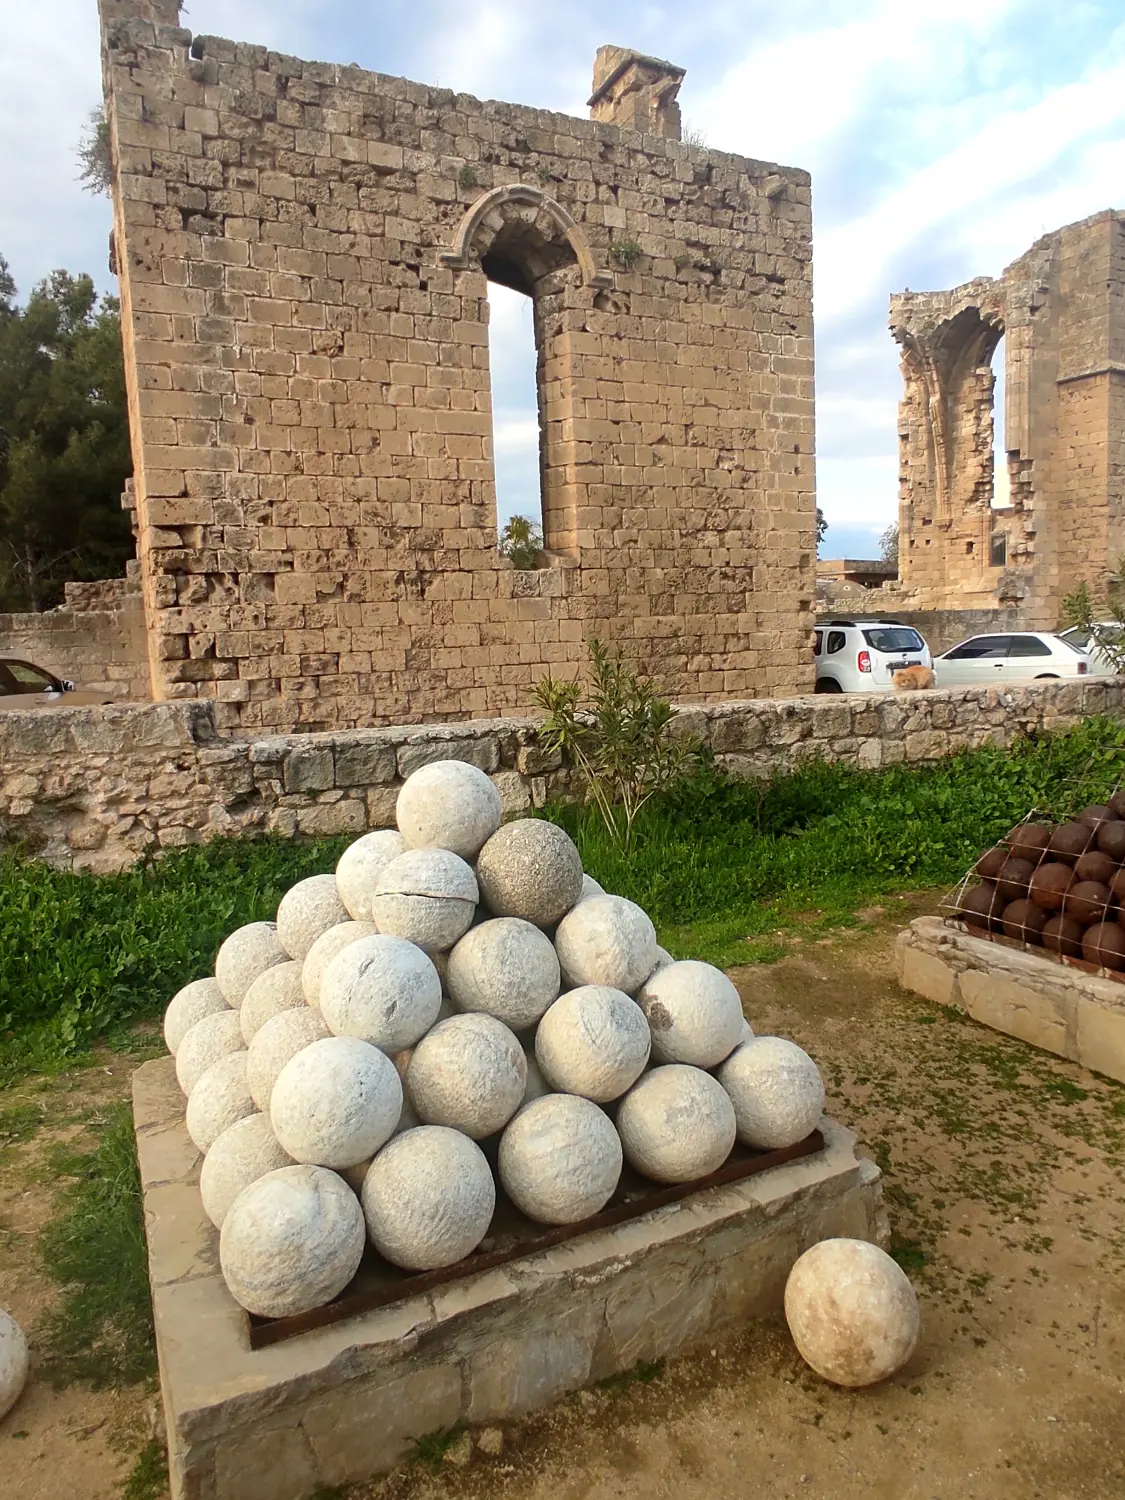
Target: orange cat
911, 678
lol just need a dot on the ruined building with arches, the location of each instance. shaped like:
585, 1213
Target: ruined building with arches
304, 251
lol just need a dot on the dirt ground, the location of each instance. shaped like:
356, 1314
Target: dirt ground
1003, 1173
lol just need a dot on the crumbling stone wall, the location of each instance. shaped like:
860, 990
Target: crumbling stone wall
1061, 310
304, 251
96, 637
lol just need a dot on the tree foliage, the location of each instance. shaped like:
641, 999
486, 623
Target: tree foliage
821, 528
1101, 613
521, 542
64, 440
94, 154
888, 545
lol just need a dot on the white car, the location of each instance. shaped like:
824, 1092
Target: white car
1018, 656
862, 656
1110, 630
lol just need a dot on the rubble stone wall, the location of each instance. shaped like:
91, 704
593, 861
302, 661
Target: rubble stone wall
96, 637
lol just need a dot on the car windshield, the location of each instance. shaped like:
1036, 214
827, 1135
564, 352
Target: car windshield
893, 638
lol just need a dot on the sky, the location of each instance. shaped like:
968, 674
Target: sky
943, 137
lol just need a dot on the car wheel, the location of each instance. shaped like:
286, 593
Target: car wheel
1043, 676
826, 685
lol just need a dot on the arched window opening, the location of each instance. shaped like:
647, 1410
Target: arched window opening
517, 442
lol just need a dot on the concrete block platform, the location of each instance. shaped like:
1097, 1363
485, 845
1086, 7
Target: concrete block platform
1068, 1011
345, 1402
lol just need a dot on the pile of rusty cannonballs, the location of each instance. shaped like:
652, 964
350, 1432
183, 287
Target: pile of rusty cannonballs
1060, 887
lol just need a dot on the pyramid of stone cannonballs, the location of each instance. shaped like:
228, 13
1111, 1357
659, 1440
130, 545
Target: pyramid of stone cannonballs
455, 982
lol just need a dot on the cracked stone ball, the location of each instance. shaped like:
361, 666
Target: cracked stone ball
306, 910
428, 1198
530, 869
506, 968
776, 1090
248, 952
694, 1012
220, 1097
274, 1044
606, 940
324, 950
468, 1073
202, 997
382, 989
276, 990
360, 866
593, 1041
13, 1362
205, 1043
245, 1151
291, 1241
427, 896
337, 1101
560, 1159
676, 1124
852, 1312
448, 805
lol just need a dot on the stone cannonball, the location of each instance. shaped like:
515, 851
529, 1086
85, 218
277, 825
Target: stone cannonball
291, 1241
276, 990
469, 1073
560, 1159
428, 896
676, 1124
694, 1011
382, 989
280, 1039
663, 959
13, 1362
852, 1312
530, 869
428, 1198
324, 950
590, 887
593, 1041
776, 1090
205, 1043
448, 805
306, 910
202, 997
337, 1101
248, 952
360, 866
507, 968
536, 1085
245, 1151
220, 1097
607, 940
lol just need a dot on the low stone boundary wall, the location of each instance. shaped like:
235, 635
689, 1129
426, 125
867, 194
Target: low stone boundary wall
96, 637
97, 788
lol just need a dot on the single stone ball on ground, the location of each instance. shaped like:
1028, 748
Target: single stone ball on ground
590, 887
307, 909
428, 896
13, 1362
220, 1098
593, 1041
776, 1090
560, 1159
337, 1101
200, 998
468, 1073
676, 1124
852, 1312
324, 950
606, 940
245, 1151
276, 990
208, 1040
448, 805
694, 1013
274, 1044
530, 869
291, 1241
360, 866
506, 968
428, 1198
248, 952
382, 989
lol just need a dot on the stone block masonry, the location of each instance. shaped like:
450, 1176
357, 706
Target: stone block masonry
96, 637
96, 789
304, 251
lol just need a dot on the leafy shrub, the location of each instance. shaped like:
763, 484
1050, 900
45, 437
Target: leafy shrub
521, 542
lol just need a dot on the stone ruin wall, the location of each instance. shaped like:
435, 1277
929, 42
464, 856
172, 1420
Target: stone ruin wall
1062, 309
304, 251
96, 637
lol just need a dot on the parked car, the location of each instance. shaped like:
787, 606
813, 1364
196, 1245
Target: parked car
24, 685
1016, 657
862, 656
1100, 664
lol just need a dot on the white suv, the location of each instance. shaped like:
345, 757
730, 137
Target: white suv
862, 656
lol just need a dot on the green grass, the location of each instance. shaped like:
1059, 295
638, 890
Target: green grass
644, 1372
431, 1448
148, 1478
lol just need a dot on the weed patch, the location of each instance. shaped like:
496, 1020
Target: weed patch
644, 1372
148, 1478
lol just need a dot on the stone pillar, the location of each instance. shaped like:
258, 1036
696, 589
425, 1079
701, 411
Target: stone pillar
636, 92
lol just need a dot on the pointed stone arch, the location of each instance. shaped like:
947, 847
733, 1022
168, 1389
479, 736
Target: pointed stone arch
521, 206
